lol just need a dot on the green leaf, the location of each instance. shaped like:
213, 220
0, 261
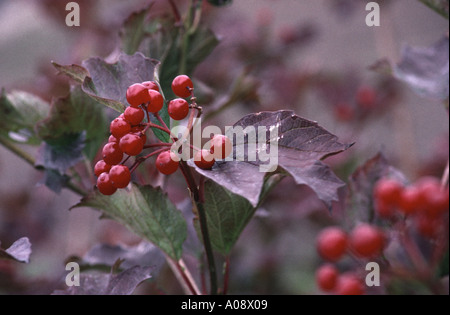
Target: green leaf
75, 72
227, 215
75, 114
133, 31
20, 111
146, 211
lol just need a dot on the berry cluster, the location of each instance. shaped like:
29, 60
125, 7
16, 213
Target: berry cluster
365, 241
425, 202
128, 135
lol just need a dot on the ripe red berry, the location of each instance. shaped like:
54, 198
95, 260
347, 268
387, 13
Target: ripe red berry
112, 139
151, 85
367, 240
104, 184
326, 277
119, 127
112, 154
120, 176
220, 146
167, 162
156, 101
131, 144
388, 191
344, 112
332, 243
182, 86
349, 284
137, 94
410, 200
178, 109
366, 97
434, 199
101, 167
133, 115
204, 159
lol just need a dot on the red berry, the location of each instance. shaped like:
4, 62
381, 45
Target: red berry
428, 226
104, 185
388, 191
112, 154
410, 200
349, 284
344, 112
367, 241
112, 139
133, 115
366, 97
137, 94
434, 199
167, 162
151, 85
220, 146
332, 243
156, 102
204, 159
119, 127
131, 144
120, 176
326, 277
101, 167
182, 86
178, 109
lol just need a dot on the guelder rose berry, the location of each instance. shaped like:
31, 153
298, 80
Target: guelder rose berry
137, 94
167, 162
178, 109
182, 86
332, 243
326, 277
367, 241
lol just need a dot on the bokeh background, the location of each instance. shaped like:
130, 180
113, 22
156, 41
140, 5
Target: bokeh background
302, 55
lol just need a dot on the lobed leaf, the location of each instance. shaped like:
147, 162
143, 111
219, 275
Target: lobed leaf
147, 212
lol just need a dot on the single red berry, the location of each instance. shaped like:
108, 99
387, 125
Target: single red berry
151, 85
367, 241
326, 277
156, 102
119, 127
178, 109
344, 112
167, 162
131, 144
388, 191
104, 185
349, 284
101, 167
366, 97
332, 243
410, 200
182, 86
120, 176
221, 146
137, 94
434, 199
112, 154
133, 115
204, 159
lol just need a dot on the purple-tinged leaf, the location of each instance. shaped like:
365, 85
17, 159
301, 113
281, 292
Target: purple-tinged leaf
19, 251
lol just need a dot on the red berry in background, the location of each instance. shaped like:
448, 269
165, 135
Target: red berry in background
131, 144
388, 191
137, 94
167, 162
349, 284
366, 97
344, 112
112, 154
410, 200
427, 226
367, 241
434, 199
104, 184
182, 86
204, 159
332, 243
133, 115
178, 109
326, 277
120, 176
156, 101
119, 127
101, 167
220, 146
151, 85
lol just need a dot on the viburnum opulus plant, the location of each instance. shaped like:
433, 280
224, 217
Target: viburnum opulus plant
140, 122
